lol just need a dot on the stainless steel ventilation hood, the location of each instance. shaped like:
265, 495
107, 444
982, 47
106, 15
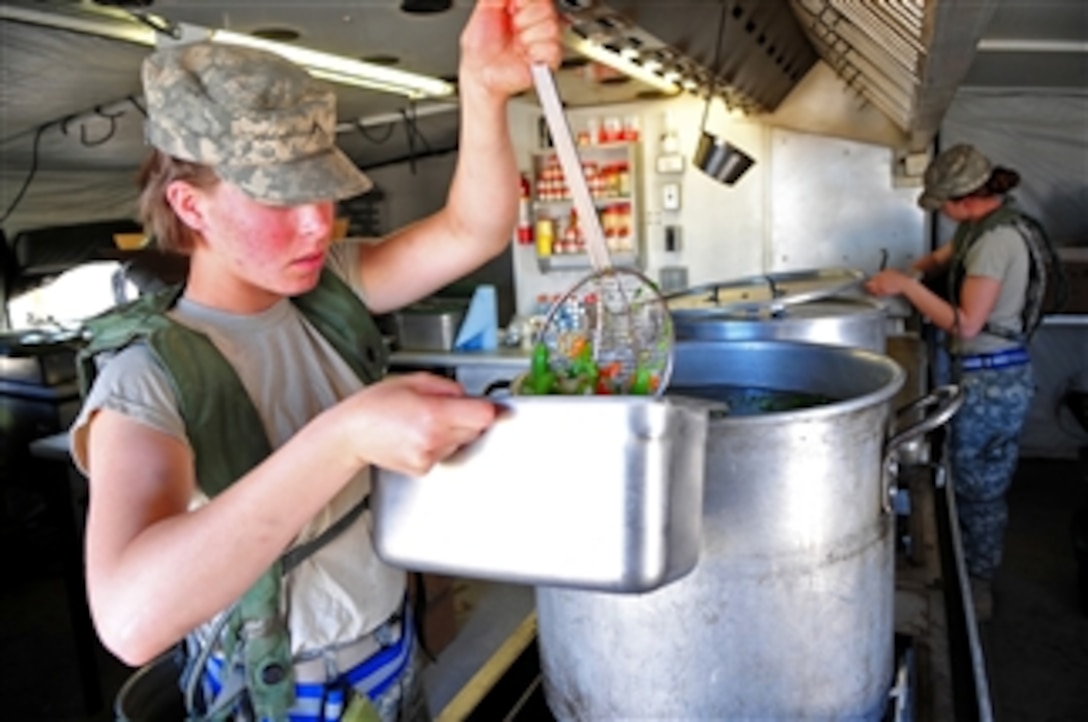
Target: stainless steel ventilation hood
877, 70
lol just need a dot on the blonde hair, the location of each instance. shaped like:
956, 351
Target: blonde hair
160, 221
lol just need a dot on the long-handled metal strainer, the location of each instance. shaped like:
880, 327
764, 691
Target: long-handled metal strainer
612, 332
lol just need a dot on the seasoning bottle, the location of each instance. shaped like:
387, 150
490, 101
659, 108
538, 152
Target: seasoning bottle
623, 179
545, 236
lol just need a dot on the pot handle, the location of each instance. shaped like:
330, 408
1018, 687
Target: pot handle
946, 401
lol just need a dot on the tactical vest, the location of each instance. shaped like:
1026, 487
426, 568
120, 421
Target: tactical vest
1042, 259
228, 439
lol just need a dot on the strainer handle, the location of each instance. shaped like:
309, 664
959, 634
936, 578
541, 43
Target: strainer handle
590, 222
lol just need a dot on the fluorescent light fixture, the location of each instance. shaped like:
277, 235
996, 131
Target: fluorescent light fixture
118, 25
597, 52
103, 24
346, 71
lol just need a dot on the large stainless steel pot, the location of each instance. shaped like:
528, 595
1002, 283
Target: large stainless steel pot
818, 306
789, 613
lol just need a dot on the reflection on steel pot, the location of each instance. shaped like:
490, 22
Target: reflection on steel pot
808, 306
789, 613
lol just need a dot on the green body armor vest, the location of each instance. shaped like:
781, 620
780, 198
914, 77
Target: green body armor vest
228, 439
1043, 261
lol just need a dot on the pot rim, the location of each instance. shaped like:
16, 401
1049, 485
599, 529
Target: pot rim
857, 308
897, 378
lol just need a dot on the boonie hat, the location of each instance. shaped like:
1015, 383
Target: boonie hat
954, 173
258, 120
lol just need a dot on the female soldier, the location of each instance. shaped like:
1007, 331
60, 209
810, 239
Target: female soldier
239, 416
988, 261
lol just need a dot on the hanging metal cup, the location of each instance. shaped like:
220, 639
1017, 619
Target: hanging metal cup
720, 159
715, 156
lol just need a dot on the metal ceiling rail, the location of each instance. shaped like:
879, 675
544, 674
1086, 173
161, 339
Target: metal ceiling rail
884, 62
909, 33
907, 26
855, 79
873, 48
901, 47
914, 10
878, 75
902, 94
907, 57
896, 104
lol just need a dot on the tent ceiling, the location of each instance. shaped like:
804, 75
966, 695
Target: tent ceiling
905, 58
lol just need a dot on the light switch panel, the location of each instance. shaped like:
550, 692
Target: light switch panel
670, 163
670, 197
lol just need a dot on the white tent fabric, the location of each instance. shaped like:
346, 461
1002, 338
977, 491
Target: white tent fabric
78, 142
63, 197
1043, 135
71, 120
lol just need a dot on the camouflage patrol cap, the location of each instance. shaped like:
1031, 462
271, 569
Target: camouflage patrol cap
956, 172
258, 120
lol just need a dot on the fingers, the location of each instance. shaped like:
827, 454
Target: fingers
536, 25
448, 404
885, 283
409, 423
537, 29
451, 425
470, 414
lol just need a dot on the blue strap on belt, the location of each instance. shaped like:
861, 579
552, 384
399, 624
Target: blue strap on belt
325, 703
995, 360
372, 676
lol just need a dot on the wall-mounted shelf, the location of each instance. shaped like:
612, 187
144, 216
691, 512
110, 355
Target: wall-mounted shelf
580, 261
599, 202
612, 174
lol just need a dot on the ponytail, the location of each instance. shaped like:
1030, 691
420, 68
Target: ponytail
1001, 181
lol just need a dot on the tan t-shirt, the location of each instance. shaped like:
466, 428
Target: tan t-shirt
1001, 254
291, 373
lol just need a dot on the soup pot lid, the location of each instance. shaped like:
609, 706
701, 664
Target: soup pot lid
767, 294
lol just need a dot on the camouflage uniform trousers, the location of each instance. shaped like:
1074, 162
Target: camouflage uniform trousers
984, 449
406, 700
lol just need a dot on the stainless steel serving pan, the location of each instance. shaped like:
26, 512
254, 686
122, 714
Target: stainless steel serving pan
429, 325
590, 492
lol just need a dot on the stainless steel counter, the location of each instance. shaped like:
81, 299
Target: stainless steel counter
513, 358
475, 370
